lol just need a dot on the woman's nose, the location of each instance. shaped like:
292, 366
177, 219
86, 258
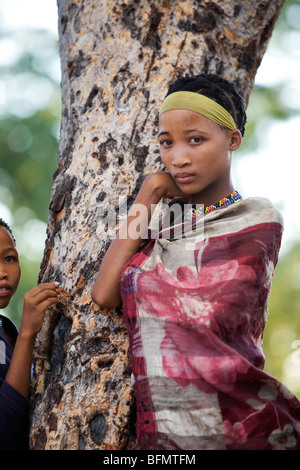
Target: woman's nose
180, 156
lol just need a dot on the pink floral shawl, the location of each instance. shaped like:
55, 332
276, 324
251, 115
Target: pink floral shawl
196, 319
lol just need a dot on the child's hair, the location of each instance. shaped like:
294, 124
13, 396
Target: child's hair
218, 89
7, 227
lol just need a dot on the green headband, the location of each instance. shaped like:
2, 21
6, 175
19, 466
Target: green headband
199, 104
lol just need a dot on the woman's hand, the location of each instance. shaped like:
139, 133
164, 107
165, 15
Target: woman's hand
163, 184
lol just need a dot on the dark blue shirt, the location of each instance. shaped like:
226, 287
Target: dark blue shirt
14, 407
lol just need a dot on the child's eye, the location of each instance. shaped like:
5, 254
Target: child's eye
10, 259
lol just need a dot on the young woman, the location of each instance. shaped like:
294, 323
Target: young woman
195, 305
16, 347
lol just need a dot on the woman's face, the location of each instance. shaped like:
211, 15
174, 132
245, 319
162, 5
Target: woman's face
197, 153
10, 270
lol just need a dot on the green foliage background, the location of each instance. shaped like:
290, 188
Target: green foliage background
30, 107
29, 131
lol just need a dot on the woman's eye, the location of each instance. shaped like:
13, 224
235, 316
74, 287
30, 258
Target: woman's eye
196, 140
165, 143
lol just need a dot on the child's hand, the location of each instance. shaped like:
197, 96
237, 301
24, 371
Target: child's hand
36, 302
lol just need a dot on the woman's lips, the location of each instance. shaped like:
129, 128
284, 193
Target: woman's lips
184, 177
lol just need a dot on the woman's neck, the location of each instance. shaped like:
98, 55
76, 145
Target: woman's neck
211, 195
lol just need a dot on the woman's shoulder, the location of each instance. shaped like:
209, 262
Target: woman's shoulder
263, 207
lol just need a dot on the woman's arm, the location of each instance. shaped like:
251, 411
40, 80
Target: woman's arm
106, 291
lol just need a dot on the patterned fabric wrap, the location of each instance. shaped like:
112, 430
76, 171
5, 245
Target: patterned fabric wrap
195, 319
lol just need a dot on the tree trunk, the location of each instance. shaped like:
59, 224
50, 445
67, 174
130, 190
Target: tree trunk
118, 59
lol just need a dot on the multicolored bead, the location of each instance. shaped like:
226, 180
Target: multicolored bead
226, 201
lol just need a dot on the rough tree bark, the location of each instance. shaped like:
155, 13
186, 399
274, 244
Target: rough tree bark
118, 59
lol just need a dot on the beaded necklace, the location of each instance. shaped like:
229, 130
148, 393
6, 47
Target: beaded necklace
193, 213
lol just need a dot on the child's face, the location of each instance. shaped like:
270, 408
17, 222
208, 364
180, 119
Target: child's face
197, 153
10, 270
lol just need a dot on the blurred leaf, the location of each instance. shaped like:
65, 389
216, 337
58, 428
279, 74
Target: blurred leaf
29, 123
283, 326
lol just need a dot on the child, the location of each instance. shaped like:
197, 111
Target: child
195, 305
16, 348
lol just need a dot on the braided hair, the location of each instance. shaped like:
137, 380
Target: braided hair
218, 89
7, 227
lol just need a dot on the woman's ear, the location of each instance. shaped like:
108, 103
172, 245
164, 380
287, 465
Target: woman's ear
236, 140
